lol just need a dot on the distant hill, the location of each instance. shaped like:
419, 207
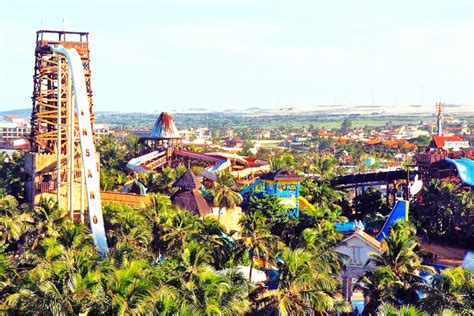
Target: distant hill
268, 118
19, 112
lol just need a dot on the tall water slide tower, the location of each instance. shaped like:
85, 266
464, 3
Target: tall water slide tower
54, 165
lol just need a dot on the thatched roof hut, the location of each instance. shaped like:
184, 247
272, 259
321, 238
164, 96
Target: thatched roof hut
192, 201
189, 197
188, 181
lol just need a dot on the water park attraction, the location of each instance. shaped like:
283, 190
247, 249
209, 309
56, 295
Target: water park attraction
163, 147
447, 157
285, 184
63, 165
62, 162
357, 245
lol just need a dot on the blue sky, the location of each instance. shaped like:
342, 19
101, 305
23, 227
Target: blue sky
228, 54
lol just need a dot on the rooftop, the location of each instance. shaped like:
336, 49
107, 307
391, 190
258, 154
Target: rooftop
188, 181
193, 201
440, 141
165, 127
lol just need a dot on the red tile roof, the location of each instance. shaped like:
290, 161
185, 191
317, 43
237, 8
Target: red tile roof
439, 141
372, 142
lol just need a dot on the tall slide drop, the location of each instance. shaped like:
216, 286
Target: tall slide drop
89, 162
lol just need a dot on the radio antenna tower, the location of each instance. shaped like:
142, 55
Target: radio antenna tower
440, 109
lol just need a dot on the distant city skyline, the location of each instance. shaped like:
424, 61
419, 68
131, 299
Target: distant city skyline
181, 54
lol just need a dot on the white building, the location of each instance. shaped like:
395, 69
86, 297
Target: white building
356, 249
10, 131
101, 129
454, 143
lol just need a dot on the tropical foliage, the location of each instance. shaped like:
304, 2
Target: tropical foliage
224, 194
161, 260
397, 281
446, 213
305, 287
370, 202
164, 260
49, 265
11, 175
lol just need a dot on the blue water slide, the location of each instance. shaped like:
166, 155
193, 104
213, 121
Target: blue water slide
465, 169
399, 211
250, 187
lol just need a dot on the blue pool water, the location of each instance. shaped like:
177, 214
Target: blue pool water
359, 303
345, 227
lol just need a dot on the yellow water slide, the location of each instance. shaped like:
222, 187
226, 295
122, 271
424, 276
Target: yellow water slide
304, 204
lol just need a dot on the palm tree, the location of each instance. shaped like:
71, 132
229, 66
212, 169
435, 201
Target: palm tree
224, 195
218, 244
387, 310
322, 194
400, 255
129, 288
159, 202
323, 165
211, 293
129, 225
174, 230
194, 256
305, 285
378, 285
452, 289
446, 212
11, 179
168, 178
7, 278
275, 164
48, 217
13, 226
64, 274
255, 237
318, 241
400, 265
63, 277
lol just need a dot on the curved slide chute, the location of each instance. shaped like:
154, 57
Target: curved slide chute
465, 169
155, 159
399, 211
142, 163
220, 162
86, 140
304, 203
251, 187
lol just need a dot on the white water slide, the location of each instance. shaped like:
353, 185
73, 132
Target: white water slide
86, 140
